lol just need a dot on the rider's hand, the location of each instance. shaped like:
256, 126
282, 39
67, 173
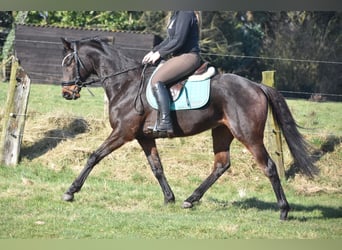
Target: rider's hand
154, 57
151, 57
147, 57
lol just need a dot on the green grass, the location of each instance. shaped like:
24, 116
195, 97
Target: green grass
318, 118
48, 99
107, 208
122, 200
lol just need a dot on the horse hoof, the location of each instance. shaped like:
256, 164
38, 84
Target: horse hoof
68, 197
187, 204
283, 215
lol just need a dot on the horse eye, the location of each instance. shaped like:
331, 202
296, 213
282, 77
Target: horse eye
67, 62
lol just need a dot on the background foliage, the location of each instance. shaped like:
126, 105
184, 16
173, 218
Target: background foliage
303, 47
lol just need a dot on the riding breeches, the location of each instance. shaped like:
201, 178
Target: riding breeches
176, 68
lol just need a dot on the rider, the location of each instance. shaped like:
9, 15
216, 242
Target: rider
181, 50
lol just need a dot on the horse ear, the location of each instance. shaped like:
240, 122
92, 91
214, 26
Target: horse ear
67, 44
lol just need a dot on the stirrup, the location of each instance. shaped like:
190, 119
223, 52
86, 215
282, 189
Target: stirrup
159, 133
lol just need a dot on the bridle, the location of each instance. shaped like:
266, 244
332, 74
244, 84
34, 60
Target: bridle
73, 87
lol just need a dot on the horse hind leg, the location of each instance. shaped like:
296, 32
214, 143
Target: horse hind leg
269, 168
222, 139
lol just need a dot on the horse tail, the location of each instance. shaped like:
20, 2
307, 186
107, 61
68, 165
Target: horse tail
298, 146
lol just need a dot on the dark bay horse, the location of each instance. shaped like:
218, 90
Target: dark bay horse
237, 108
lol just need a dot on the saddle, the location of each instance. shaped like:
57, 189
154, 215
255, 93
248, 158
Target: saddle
189, 93
202, 73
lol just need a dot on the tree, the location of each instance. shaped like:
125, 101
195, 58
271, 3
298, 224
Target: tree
309, 38
6, 20
232, 41
112, 20
8, 45
155, 22
329, 48
7, 48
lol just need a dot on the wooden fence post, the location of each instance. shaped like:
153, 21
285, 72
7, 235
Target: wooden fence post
268, 79
14, 115
3, 67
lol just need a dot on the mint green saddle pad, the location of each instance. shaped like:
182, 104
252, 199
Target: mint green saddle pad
194, 95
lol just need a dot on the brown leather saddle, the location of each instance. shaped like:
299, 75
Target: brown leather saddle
176, 89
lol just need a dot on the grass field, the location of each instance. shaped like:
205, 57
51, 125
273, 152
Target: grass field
122, 200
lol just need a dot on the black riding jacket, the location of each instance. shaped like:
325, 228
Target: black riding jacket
183, 35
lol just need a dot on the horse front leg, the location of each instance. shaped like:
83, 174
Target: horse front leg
151, 152
222, 139
109, 145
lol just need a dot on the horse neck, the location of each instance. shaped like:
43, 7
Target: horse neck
116, 63
113, 62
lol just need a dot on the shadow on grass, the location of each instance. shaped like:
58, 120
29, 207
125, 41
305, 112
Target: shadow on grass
325, 212
327, 146
53, 137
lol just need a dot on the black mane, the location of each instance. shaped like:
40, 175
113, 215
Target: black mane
110, 51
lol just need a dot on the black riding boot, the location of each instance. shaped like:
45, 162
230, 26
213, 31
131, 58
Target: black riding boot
164, 124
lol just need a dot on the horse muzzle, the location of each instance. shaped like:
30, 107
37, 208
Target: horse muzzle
71, 92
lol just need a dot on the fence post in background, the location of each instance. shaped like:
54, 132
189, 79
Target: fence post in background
14, 115
268, 79
3, 67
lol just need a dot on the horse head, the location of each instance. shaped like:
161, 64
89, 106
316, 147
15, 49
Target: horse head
91, 56
76, 69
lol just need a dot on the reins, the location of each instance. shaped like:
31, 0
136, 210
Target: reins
138, 96
100, 79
